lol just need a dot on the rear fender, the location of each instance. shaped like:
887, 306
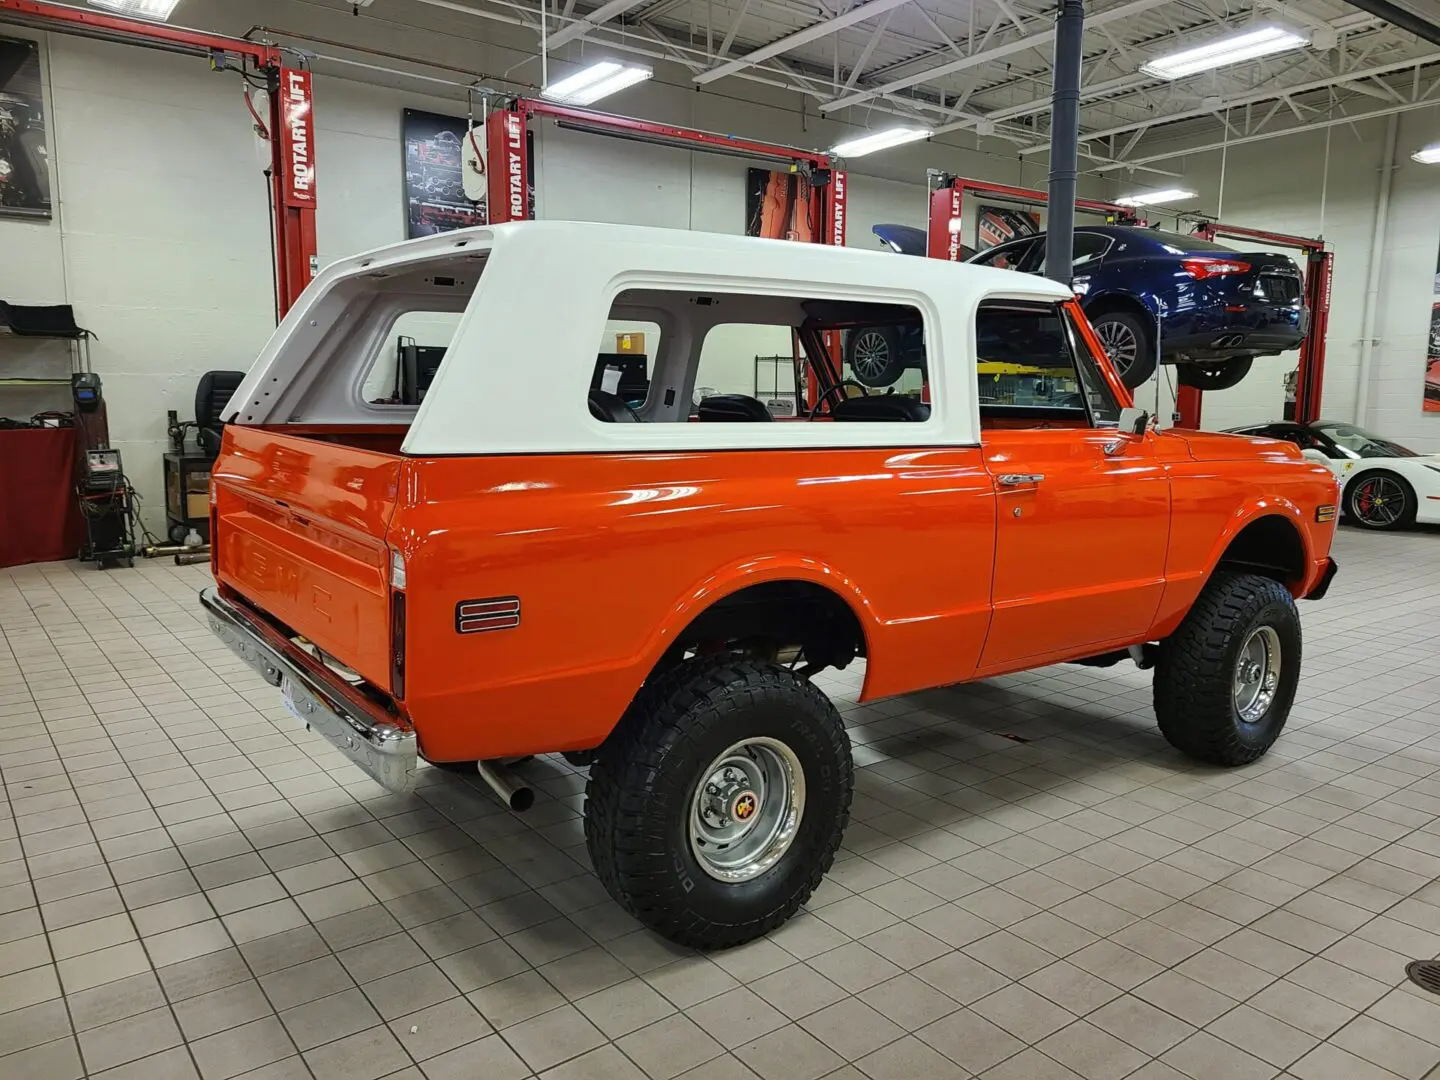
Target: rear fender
760, 570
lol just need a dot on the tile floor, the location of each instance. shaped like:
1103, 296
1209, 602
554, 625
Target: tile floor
1033, 885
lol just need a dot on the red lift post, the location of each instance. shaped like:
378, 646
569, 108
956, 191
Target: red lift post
1319, 270
290, 124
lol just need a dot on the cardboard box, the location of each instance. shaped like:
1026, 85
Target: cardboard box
633, 342
198, 506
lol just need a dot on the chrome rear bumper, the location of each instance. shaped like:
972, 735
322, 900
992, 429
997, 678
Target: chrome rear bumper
355, 726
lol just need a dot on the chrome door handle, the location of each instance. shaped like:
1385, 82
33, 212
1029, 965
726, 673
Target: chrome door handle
1016, 479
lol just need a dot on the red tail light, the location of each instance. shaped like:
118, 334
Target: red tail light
1202, 267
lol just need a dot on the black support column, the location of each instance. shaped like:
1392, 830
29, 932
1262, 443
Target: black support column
1064, 139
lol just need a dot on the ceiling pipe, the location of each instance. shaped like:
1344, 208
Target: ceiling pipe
1401, 19
1064, 140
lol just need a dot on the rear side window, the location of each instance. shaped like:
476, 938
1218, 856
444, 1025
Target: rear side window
750, 358
1031, 362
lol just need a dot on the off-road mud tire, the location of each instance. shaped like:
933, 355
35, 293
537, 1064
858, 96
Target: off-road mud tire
638, 800
1194, 677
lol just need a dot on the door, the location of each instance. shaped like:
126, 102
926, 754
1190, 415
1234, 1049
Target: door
1083, 510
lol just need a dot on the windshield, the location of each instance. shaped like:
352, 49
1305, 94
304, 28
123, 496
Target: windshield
1362, 443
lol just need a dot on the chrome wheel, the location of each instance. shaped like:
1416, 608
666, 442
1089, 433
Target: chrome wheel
1379, 502
1257, 674
746, 809
1120, 343
870, 355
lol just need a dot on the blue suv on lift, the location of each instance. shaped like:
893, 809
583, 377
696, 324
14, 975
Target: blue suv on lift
1217, 309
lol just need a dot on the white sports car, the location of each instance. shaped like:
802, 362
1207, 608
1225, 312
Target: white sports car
1382, 484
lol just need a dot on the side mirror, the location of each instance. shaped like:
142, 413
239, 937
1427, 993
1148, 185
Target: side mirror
1134, 421
1315, 455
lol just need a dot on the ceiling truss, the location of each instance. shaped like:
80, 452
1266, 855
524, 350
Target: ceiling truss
983, 66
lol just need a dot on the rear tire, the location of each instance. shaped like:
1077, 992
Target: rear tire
656, 783
1380, 499
1226, 678
1129, 343
1213, 375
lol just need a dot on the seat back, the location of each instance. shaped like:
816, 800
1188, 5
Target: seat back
886, 407
733, 408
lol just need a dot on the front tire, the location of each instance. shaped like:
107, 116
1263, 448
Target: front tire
717, 805
1380, 499
1130, 345
1226, 679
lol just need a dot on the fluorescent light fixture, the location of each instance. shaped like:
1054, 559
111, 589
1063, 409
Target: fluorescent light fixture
595, 82
1250, 45
1156, 198
155, 10
879, 140
1430, 155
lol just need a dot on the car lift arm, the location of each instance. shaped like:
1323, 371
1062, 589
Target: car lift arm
289, 126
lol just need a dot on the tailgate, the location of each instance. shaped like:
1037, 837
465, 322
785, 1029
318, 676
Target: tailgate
300, 533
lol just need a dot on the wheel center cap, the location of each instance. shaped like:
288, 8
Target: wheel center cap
744, 805
1250, 672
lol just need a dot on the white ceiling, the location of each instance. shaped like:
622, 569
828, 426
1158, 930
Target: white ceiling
984, 65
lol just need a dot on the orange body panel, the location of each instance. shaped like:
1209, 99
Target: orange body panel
1080, 553
952, 573
302, 536
612, 555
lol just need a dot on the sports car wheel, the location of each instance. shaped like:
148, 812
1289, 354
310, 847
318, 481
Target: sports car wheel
1127, 343
874, 356
1380, 500
1220, 375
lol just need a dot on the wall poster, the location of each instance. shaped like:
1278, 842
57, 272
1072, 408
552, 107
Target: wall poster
780, 206
435, 199
1001, 224
1432, 353
24, 169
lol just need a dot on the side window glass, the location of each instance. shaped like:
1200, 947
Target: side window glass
1007, 256
1090, 248
1028, 366
730, 357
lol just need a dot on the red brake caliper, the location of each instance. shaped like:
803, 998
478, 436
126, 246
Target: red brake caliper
1367, 495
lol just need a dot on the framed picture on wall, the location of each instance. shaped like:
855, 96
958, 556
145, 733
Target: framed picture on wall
779, 205
435, 199
996, 225
24, 162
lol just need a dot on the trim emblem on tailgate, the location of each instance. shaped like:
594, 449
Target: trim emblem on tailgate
493, 613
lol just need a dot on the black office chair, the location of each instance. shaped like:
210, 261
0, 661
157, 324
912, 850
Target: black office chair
211, 396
